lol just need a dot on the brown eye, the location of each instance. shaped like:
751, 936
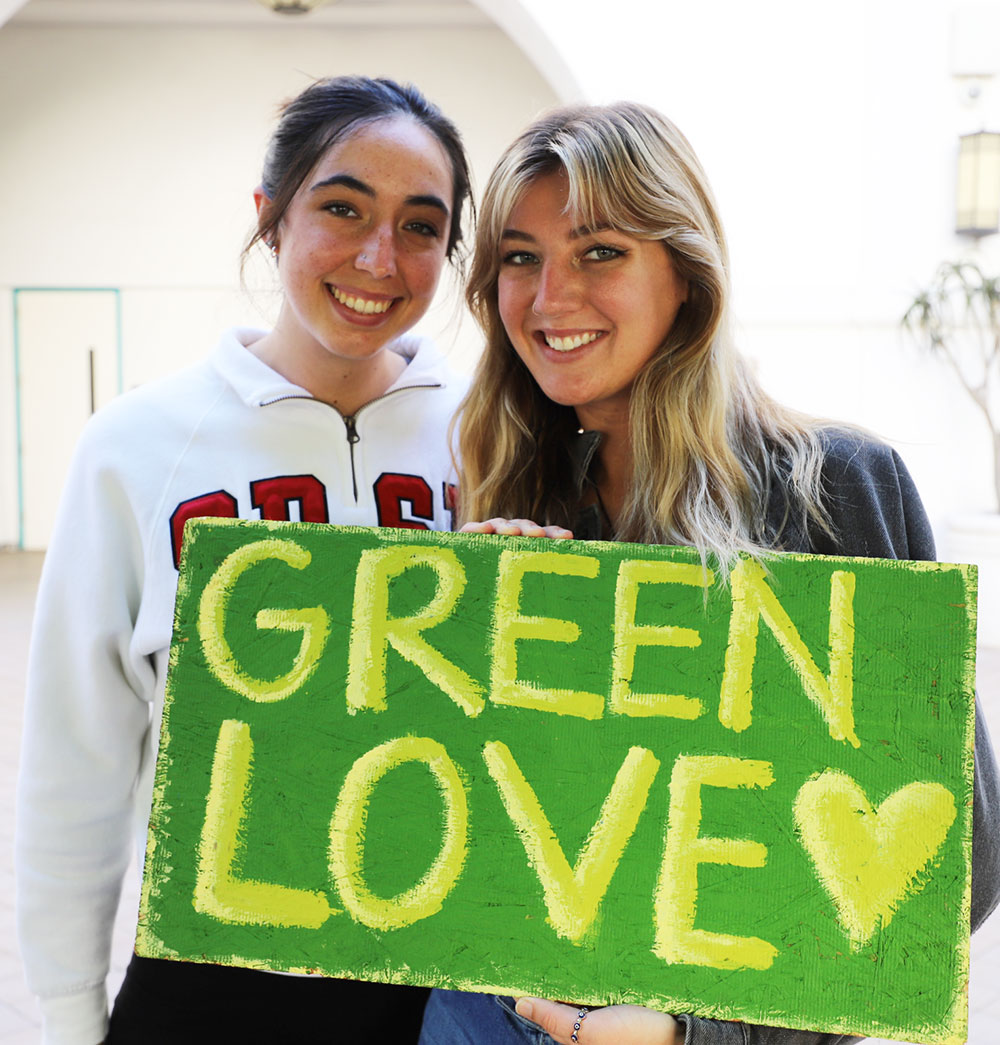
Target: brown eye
340, 210
423, 228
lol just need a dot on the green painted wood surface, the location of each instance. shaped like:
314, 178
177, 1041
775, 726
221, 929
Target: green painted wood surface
537, 767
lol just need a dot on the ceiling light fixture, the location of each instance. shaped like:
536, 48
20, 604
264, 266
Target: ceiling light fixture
293, 7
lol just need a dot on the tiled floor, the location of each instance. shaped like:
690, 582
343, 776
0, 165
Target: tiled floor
18, 1013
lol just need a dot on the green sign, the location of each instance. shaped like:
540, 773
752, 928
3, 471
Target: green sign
576, 770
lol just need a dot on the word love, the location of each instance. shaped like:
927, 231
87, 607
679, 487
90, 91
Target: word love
593, 771
868, 862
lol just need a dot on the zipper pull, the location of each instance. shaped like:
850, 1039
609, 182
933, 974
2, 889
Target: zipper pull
351, 424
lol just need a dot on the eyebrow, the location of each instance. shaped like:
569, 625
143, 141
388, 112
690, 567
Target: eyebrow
347, 181
428, 201
577, 233
350, 182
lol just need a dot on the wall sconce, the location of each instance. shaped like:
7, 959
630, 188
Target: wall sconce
978, 196
293, 7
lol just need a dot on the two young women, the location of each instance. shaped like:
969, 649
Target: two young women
335, 415
609, 402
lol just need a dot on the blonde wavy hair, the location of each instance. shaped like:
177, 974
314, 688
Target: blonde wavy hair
707, 442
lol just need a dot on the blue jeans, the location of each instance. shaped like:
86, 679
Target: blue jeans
458, 1018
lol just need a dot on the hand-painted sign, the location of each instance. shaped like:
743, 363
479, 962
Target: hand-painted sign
577, 770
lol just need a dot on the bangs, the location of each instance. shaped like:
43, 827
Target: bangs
598, 193
614, 180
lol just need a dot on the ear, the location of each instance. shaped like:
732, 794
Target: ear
263, 203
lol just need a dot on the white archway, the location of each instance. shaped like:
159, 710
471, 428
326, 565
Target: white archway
9, 8
531, 31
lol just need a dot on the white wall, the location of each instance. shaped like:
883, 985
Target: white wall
130, 154
829, 132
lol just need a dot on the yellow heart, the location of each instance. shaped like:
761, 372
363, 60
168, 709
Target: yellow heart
869, 859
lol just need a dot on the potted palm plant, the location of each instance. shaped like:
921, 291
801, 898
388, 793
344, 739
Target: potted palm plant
957, 318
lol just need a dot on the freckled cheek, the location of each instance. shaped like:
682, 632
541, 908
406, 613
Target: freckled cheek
424, 273
511, 303
320, 257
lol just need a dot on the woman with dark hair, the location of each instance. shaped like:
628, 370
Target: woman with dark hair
611, 403
335, 415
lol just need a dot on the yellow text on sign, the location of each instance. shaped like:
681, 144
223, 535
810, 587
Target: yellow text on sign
572, 894
374, 630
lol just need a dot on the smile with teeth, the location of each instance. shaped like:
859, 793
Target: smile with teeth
362, 305
567, 344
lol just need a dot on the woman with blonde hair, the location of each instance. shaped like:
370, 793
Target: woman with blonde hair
611, 403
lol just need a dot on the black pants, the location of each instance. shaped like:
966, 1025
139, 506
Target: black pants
179, 1003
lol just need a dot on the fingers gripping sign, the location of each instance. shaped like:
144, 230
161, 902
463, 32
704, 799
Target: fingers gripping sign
614, 1025
517, 528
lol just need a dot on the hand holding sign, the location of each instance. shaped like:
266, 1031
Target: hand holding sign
516, 528
615, 1025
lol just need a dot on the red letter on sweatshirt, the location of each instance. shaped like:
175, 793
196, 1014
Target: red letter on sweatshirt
217, 505
392, 489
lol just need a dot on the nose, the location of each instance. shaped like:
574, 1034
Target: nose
377, 255
558, 290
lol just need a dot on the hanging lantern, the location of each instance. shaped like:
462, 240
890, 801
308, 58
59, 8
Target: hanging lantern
978, 196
